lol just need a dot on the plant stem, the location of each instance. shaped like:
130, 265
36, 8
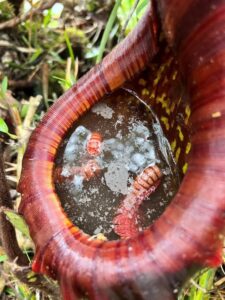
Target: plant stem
7, 231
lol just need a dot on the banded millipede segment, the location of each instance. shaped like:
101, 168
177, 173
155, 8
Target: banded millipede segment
187, 236
126, 219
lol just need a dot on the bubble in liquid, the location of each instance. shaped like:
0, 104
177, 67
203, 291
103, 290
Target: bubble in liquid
150, 154
76, 144
81, 131
129, 149
119, 146
132, 167
139, 141
78, 182
117, 154
140, 129
109, 144
138, 159
147, 145
66, 171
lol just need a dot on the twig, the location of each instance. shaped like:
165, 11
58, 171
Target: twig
12, 105
7, 231
9, 100
33, 105
29, 81
25, 130
220, 295
19, 19
45, 82
9, 45
12, 178
10, 164
15, 84
19, 263
25, 275
192, 281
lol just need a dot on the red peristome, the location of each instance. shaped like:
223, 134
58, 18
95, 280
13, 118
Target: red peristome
216, 259
188, 234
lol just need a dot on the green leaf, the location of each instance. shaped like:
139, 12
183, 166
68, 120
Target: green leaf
91, 52
206, 282
108, 29
3, 126
24, 110
35, 55
69, 46
47, 18
17, 221
4, 86
12, 136
141, 6
3, 258
65, 84
124, 11
200, 286
9, 291
55, 56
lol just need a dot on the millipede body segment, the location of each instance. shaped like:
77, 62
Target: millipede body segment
187, 236
126, 219
94, 144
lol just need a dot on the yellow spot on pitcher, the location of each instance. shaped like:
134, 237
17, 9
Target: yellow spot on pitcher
185, 167
177, 155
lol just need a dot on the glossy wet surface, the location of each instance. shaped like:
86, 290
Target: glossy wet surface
132, 139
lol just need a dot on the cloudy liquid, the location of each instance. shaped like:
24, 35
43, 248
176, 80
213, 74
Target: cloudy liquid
132, 139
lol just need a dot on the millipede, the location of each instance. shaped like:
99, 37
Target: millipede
148, 177
126, 220
188, 235
86, 171
94, 144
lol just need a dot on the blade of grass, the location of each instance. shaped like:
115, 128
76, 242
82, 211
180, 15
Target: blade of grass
107, 30
69, 46
128, 19
205, 283
4, 87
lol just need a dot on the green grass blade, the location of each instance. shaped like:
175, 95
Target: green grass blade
205, 283
107, 30
69, 46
